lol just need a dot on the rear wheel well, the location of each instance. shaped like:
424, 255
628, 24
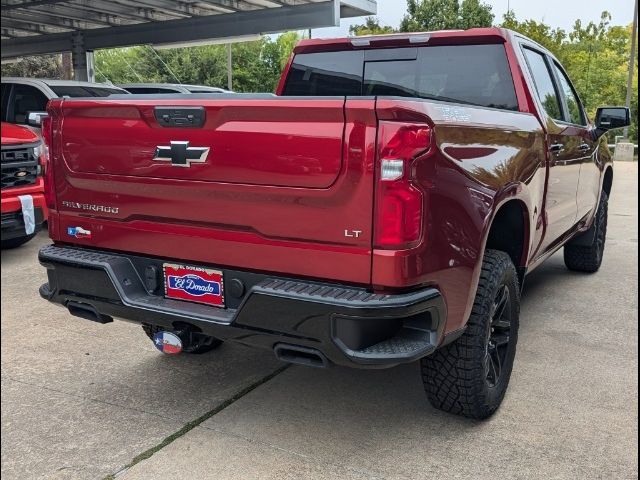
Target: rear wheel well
508, 234
607, 183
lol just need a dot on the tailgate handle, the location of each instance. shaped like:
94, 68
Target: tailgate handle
180, 117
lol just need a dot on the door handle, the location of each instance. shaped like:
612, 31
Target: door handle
556, 148
584, 147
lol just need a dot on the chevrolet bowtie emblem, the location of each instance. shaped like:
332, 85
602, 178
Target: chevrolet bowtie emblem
180, 154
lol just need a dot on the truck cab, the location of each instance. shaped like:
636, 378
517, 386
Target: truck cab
24, 100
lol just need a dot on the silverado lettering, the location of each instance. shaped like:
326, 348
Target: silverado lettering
90, 207
463, 159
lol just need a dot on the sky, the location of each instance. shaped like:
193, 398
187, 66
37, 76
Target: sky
557, 13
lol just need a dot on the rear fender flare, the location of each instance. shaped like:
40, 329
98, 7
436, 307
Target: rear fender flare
514, 192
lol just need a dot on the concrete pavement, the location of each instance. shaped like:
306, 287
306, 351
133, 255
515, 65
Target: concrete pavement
83, 401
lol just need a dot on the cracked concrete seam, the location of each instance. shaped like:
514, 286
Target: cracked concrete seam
194, 423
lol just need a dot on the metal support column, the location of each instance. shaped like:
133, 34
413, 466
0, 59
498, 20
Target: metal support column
91, 69
67, 66
83, 67
229, 67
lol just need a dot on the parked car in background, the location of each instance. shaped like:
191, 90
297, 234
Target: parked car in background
151, 88
22, 192
24, 96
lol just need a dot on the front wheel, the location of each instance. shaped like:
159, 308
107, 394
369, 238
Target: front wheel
584, 253
469, 377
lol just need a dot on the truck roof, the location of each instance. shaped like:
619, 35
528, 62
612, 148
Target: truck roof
55, 82
440, 37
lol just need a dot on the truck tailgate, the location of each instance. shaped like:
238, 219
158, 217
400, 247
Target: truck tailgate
270, 184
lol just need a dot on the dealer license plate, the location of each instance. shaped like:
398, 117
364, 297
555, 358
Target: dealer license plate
193, 284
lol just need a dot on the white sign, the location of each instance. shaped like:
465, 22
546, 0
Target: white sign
623, 152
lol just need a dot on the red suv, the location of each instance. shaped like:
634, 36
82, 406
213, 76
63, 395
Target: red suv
23, 205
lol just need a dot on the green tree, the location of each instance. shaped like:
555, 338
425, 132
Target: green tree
256, 65
204, 65
371, 26
118, 65
596, 57
250, 72
550, 38
276, 55
41, 66
474, 14
429, 15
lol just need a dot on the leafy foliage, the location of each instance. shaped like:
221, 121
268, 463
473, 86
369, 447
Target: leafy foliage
430, 15
371, 27
596, 57
256, 65
42, 66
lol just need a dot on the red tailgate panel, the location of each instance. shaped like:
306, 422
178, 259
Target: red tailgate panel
300, 231
258, 142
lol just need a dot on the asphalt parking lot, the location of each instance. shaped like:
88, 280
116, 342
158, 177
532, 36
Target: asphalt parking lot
87, 401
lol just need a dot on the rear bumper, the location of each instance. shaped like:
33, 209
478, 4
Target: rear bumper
347, 325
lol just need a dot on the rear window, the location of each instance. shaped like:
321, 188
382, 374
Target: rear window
84, 91
326, 74
470, 74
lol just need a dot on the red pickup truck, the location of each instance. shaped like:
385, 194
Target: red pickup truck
23, 206
384, 207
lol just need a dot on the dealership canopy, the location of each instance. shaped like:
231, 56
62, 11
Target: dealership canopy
32, 27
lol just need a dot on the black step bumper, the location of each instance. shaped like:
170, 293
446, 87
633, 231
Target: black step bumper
347, 325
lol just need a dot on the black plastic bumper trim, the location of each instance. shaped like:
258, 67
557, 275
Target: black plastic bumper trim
12, 223
340, 322
129, 285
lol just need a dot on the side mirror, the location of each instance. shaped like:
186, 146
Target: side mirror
34, 119
608, 118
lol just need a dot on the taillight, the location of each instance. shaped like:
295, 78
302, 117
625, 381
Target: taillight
399, 201
49, 184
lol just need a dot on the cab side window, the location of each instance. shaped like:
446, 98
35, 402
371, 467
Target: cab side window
576, 114
544, 84
26, 99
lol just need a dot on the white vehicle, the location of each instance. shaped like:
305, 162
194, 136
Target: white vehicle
24, 100
154, 88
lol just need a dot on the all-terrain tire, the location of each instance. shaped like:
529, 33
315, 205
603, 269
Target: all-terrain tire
588, 258
458, 377
210, 344
16, 242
